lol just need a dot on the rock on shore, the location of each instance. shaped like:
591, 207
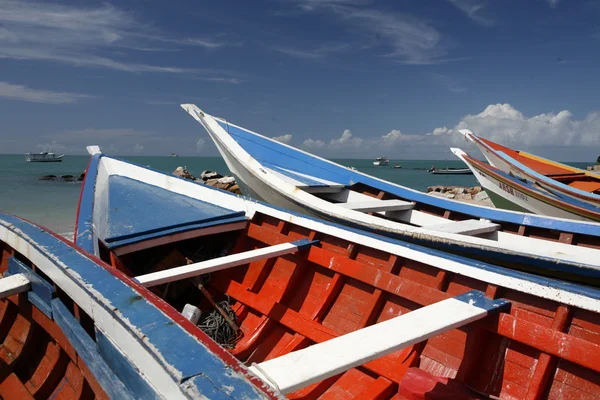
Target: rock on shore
473, 195
210, 178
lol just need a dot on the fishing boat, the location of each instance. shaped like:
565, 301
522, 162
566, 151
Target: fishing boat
450, 171
380, 161
43, 157
72, 327
552, 176
293, 179
507, 191
318, 310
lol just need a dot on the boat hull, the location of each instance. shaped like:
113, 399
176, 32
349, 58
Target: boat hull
509, 165
337, 285
269, 182
510, 194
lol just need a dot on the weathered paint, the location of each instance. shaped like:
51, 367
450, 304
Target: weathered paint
143, 327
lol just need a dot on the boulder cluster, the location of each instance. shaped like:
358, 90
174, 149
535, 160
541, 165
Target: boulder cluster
474, 195
210, 178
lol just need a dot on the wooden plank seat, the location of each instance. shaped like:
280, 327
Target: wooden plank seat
14, 284
304, 367
466, 227
218, 264
378, 205
124, 224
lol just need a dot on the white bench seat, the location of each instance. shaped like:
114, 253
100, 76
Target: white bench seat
378, 205
14, 284
466, 227
304, 367
218, 264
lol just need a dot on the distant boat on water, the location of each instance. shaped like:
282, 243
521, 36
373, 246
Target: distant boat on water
450, 171
173, 155
379, 161
43, 157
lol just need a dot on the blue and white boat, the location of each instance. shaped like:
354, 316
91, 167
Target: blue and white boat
294, 179
313, 308
72, 327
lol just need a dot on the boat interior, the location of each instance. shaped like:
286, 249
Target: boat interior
266, 289
37, 360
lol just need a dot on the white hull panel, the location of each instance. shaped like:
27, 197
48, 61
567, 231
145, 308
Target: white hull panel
267, 186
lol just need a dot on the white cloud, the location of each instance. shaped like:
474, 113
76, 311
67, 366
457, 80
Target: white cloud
287, 138
405, 37
200, 144
315, 144
346, 140
138, 148
473, 10
81, 36
316, 53
441, 131
504, 124
23, 93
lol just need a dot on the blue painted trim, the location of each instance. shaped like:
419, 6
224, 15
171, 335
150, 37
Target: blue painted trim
84, 237
478, 299
153, 329
304, 243
41, 293
265, 150
44, 307
87, 351
307, 181
38, 284
123, 369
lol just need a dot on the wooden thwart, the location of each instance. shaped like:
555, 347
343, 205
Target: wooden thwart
378, 205
218, 264
466, 227
14, 284
304, 367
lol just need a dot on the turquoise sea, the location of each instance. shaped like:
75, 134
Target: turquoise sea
53, 204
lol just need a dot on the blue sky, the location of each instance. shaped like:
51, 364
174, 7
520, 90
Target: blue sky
342, 78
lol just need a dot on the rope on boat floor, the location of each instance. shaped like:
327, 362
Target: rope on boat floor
217, 327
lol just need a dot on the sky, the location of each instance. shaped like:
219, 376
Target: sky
339, 78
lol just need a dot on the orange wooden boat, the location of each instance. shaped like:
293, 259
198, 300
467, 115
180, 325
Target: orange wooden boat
317, 310
550, 175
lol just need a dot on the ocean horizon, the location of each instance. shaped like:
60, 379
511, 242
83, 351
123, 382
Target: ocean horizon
53, 203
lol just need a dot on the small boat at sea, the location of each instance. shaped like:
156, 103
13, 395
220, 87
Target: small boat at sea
318, 310
554, 177
43, 157
397, 166
509, 192
72, 327
380, 161
296, 180
450, 171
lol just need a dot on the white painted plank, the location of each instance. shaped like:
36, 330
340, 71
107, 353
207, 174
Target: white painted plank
304, 367
13, 284
378, 205
218, 264
466, 227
